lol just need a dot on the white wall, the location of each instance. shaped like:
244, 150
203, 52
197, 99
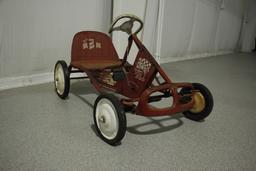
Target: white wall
198, 28
249, 30
34, 34
191, 28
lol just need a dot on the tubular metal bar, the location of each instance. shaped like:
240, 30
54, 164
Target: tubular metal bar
157, 80
76, 71
74, 78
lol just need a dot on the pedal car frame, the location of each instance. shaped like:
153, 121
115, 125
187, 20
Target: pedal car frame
138, 85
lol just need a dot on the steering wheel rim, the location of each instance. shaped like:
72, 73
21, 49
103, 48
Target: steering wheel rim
129, 24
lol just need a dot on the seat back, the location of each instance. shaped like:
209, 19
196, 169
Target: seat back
92, 45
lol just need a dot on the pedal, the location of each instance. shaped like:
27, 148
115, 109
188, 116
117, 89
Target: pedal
185, 99
118, 75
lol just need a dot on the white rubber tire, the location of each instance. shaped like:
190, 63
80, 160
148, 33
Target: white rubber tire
109, 119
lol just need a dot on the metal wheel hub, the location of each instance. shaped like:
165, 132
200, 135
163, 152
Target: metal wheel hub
106, 118
199, 103
59, 79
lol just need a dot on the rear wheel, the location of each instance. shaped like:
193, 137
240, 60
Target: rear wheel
203, 102
61, 79
109, 119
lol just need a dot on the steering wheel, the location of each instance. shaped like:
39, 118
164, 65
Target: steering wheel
127, 25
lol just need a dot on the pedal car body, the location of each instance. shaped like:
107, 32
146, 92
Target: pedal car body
138, 84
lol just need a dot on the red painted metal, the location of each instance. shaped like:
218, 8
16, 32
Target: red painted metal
84, 47
94, 53
145, 109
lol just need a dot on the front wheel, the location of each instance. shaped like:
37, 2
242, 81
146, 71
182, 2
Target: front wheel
203, 102
109, 119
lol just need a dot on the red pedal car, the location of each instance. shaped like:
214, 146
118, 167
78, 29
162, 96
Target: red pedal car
138, 85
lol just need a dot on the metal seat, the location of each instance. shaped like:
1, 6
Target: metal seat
93, 50
96, 65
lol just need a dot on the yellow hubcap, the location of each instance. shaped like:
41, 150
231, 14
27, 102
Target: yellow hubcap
199, 103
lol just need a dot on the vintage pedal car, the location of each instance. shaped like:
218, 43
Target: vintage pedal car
138, 85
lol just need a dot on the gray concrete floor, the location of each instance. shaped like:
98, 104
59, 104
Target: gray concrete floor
39, 131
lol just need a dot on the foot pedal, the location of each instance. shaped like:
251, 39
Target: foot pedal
118, 74
185, 99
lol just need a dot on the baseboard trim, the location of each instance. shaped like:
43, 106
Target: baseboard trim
196, 56
23, 81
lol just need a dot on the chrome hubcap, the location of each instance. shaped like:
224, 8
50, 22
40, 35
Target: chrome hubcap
106, 118
59, 79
